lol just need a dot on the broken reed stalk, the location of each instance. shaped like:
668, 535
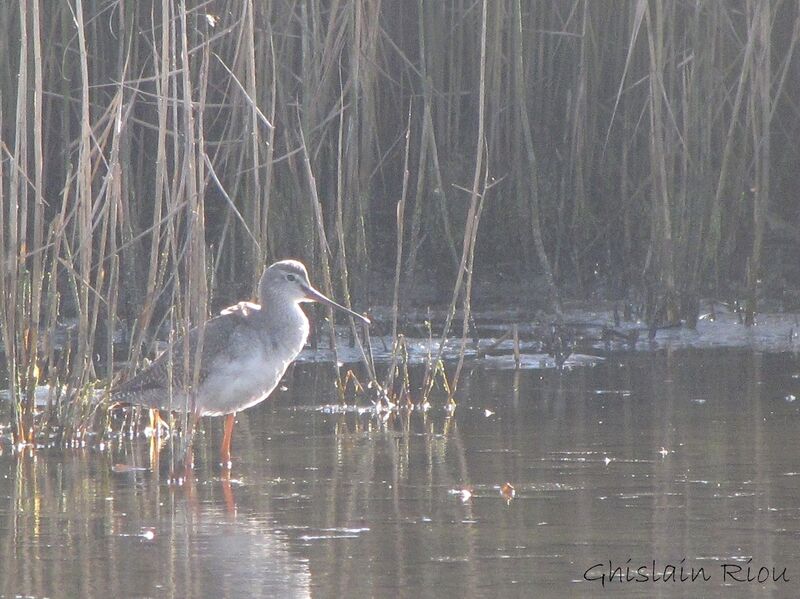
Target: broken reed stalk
467, 301
660, 152
340, 236
470, 234
422, 164
761, 110
84, 198
400, 215
17, 345
196, 298
155, 270
528, 171
37, 267
324, 250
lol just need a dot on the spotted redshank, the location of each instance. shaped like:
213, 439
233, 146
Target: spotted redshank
245, 351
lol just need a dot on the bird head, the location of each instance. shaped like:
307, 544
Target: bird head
288, 279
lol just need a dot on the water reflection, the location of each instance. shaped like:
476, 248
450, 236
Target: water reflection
662, 456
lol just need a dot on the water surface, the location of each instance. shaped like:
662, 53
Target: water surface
667, 455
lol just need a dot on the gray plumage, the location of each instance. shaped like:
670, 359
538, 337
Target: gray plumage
245, 351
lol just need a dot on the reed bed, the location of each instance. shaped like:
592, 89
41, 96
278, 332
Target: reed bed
157, 154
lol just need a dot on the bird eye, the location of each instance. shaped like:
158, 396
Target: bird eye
291, 278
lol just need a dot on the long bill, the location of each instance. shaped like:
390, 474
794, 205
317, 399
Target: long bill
315, 296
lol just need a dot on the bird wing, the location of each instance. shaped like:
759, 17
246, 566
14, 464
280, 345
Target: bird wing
217, 336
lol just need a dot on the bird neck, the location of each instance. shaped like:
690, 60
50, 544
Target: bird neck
280, 313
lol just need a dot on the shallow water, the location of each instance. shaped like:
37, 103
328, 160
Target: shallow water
667, 455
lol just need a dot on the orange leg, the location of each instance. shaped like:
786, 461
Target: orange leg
227, 493
155, 439
225, 450
155, 422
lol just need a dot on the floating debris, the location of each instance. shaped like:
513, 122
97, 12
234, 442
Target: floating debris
539, 361
508, 492
464, 494
124, 468
334, 533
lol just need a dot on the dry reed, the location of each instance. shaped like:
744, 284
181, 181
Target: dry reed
155, 155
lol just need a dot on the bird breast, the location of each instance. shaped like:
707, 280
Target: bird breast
247, 375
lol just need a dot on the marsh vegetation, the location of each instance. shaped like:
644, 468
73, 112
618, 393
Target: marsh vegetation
157, 154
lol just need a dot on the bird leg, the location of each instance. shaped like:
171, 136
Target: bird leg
155, 422
227, 493
155, 438
227, 435
183, 471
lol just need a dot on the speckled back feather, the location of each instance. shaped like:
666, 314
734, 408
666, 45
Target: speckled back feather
219, 332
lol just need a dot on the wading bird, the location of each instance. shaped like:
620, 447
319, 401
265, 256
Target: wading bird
245, 351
